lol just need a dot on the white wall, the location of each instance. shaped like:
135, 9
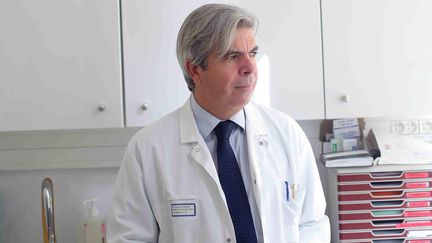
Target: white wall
20, 201
79, 177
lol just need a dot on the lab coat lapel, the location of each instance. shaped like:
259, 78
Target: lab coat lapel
257, 143
189, 134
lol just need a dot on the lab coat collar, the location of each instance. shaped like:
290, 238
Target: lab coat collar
254, 120
188, 129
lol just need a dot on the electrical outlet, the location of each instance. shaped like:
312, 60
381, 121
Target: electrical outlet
405, 127
425, 126
396, 127
410, 127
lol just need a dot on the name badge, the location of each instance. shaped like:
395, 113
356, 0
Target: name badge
183, 209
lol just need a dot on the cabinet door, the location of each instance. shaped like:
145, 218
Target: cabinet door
290, 70
153, 78
290, 61
59, 60
377, 57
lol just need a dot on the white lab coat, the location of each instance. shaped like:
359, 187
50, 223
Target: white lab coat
168, 189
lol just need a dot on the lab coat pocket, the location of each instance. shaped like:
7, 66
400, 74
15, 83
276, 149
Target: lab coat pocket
183, 210
292, 210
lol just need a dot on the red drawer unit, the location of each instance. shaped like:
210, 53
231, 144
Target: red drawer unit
391, 203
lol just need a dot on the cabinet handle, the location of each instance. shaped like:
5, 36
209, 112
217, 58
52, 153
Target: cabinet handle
345, 98
144, 107
101, 107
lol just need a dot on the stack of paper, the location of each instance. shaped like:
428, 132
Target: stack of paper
347, 159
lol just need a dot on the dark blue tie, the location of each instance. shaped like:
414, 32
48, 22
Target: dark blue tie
232, 185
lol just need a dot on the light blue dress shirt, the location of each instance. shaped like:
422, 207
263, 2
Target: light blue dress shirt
206, 122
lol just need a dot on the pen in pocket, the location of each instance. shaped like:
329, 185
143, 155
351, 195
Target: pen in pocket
294, 189
287, 189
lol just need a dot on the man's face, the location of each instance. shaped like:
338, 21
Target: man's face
227, 84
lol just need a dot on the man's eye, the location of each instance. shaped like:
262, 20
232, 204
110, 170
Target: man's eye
253, 53
234, 56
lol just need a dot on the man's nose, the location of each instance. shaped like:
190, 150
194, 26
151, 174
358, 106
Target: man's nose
248, 66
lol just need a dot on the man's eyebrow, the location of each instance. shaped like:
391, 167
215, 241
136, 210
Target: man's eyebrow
254, 49
229, 52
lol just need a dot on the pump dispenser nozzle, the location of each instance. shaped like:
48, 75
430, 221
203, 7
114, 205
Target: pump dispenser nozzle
93, 210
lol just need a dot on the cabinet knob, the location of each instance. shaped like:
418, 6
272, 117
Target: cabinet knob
144, 107
101, 107
345, 98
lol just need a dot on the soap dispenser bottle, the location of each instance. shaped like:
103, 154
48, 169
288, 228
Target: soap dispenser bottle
94, 224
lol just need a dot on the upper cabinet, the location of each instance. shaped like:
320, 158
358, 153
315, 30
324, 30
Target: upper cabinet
61, 62
377, 57
60, 65
289, 60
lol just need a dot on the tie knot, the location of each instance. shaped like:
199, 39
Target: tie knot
223, 129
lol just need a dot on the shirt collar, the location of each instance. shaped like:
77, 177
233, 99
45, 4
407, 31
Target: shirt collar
206, 122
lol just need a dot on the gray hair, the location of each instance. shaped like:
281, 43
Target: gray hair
209, 29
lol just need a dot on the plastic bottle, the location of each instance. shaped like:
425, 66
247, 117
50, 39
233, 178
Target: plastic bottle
94, 224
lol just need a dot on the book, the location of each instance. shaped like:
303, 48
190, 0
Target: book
349, 162
347, 159
343, 154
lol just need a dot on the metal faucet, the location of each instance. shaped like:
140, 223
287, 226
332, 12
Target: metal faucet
48, 211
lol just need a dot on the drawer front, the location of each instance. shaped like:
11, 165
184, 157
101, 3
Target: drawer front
385, 185
386, 224
384, 204
384, 176
386, 195
385, 214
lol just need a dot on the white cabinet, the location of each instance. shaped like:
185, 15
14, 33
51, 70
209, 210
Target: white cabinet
290, 68
60, 61
378, 54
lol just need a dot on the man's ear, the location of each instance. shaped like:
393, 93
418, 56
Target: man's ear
193, 71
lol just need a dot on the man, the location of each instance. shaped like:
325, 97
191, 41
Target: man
219, 169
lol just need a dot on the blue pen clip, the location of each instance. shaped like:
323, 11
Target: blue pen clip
287, 190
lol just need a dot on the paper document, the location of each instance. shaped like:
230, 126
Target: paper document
399, 149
